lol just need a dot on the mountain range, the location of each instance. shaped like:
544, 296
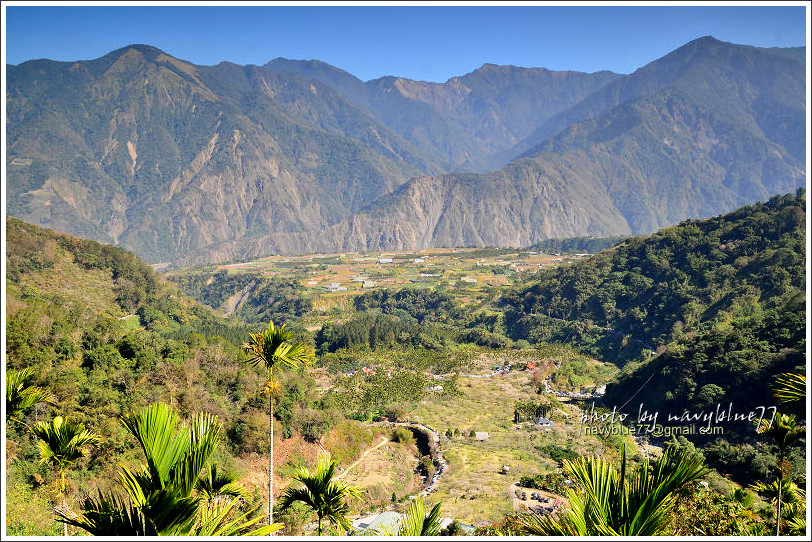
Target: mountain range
189, 164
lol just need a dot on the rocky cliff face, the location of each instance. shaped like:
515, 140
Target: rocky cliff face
470, 123
163, 157
513, 207
191, 164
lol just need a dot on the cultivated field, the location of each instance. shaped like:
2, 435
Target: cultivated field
474, 489
463, 268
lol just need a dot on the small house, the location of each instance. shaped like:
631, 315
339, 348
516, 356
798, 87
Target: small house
481, 436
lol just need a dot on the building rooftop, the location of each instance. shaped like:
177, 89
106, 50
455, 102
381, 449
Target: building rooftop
376, 521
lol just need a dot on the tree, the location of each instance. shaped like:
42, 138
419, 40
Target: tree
218, 486
784, 430
416, 521
322, 492
161, 490
609, 503
273, 348
453, 529
62, 444
20, 396
792, 497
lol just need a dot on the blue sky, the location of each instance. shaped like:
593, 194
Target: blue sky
432, 42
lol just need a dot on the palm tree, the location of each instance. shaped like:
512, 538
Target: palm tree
62, 444
791, 497
110, 515
609, 503
416, 521
216, 486
790, 390
784, 430
20, 396
323, 493
274, 348
161, 491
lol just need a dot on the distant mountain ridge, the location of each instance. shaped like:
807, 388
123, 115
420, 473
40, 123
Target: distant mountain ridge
192, 164
472, 117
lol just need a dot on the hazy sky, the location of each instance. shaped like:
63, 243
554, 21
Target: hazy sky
430, 42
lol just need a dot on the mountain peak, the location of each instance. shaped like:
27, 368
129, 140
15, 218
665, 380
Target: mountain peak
496, 68
147, 50
706, 40
311, 68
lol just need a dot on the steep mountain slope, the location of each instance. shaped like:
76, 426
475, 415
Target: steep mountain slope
682, 149
184, 163
666, 157
515, 206
160, 156
679, 280
763, 88
469, 121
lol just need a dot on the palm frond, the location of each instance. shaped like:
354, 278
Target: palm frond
273, 347
790, 389
322, 492
20, 396
160, 491
163, 439
204, 435
137, 485
213, 484
609, 503
599, 481
416, 522
797, 525
783, 429
62, 442
217, 520
293, 494
790, 492
171, 513
108, 515
294, 354
653, 492
535, 524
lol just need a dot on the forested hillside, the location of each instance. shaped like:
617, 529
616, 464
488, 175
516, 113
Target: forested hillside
104, 335
704, 313
249, 297
655, 289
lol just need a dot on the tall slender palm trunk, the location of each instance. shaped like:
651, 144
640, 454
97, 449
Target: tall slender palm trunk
778, 506
270, 455
64, 498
